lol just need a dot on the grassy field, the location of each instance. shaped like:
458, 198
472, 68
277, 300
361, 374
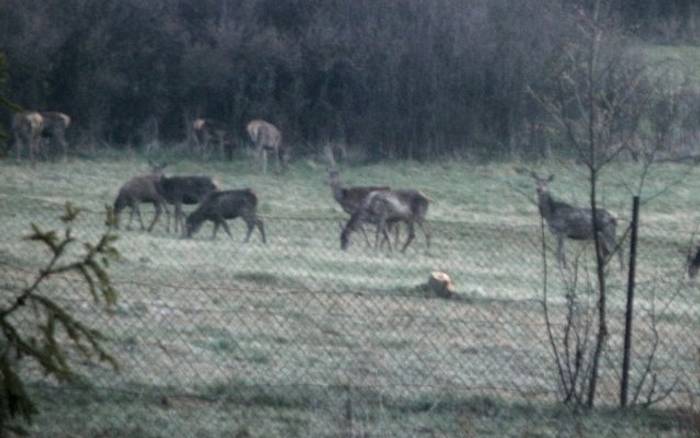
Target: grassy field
297, 338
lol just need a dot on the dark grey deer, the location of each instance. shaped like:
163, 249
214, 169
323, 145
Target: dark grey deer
187, 190
227, 204
383, 207
567, 221
142, 189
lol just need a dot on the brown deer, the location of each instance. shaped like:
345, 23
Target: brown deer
207, 129
29, 127
350, 198
567, 221
142, 189
383, 207
227, 204
267, 138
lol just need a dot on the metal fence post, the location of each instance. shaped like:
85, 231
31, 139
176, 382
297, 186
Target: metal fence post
630, 303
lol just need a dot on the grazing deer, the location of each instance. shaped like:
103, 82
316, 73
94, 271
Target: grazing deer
349, 198
567, 221
205, 130
385, 206
138, 190
188, 190
267, 138
29, 127
228, 204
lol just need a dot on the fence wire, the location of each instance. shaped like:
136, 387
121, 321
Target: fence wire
297, 337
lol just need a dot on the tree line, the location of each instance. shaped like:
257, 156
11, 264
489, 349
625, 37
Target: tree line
406, 78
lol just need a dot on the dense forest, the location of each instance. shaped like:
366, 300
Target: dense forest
403, 78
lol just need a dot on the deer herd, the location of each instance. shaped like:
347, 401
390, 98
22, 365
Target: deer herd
378, 206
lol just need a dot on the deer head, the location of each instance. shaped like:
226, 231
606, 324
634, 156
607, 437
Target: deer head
157, 168
541, 184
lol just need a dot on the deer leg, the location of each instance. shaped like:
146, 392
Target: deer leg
156, 216
131, 216
137, 209
426, 232
364, 233
561, 257
225, 225
262, 156
32, 145
386, 238
216, 228
64, 146
277, 160
609, 245
250, 224
411, 235
179, 216
381, 228
261, 228
376, 233
167, 223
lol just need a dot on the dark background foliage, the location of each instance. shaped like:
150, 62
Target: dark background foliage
405, 78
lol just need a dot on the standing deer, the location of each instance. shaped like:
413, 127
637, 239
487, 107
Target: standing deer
187, 190
138, 190
267, 138
227, 204
567, 221
54, 128
383, 207
26, 127
350, 198
29, 127
205, 130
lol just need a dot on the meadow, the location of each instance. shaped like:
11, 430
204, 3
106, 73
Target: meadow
298, 338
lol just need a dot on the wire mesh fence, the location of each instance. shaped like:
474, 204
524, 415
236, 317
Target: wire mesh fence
296, 337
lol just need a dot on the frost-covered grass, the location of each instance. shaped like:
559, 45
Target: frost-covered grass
217, 337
